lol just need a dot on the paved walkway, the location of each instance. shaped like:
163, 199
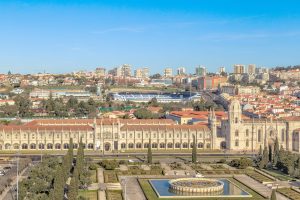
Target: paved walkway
100, 177
133, 189
4, 194
260, 188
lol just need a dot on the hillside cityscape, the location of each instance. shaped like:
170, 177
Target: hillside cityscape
206, 108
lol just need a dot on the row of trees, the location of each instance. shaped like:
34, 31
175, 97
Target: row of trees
284, 160
48, 179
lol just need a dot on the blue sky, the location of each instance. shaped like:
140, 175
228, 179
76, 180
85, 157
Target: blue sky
62, 36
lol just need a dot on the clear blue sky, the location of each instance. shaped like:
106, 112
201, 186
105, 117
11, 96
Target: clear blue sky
61, 36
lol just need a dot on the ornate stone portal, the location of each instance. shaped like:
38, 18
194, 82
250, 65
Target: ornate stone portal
196, 185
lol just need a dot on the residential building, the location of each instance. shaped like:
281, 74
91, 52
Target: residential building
200, 71
168, 72
239, 69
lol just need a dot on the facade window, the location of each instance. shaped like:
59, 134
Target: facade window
177, 135
247, 143
247, 133
236, 120
24, 136
154, 135
16, 136
282, 135
236, 143
138, 135
147, 135
91, 135
162, 135
32, 136
50, 135
7, 135
185, 135
57, 135
123, 135
66, 136
259, 136
170, 135
236, 133
130, 135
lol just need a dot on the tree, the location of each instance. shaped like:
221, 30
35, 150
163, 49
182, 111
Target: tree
149, 156
72, 103
155, 76
194, 153
59, 185
264, 159
143, 113
23, 105
273, 195
73, 189
153, 102
276, 151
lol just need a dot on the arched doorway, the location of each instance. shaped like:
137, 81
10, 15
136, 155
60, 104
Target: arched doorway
223, 145
107, 146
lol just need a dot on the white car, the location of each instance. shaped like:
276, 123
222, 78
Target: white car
198, 175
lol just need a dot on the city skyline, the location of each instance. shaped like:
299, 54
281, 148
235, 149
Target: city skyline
64, 36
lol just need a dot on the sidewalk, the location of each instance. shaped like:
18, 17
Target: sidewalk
100, 178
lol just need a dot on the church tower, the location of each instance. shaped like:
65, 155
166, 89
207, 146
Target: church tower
233, 134
212, 123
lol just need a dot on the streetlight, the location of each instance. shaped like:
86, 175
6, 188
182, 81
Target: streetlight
123, 182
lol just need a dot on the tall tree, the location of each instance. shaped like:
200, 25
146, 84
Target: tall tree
194, 153
273, 195
59, 185
73, 189
149, 156
264, 159
276, 151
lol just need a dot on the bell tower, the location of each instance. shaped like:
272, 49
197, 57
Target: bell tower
234, 134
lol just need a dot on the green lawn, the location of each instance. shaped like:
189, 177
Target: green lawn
151, 195
93, 176
259, 177
114, 195
290, 193
277, 174
89, 194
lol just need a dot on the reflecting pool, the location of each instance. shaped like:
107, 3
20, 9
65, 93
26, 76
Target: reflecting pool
162, 189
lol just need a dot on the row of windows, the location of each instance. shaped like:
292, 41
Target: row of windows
259, 134
162, 135
58, 135
43, 146
163, 145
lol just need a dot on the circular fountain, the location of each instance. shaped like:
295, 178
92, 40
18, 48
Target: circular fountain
196, 185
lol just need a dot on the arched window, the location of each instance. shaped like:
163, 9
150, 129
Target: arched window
57, 146
236, 143
138, 145
75, 145
154, 145
247, 132
146, 145
185, 145
162, 145
259, 136
236, 120
24, 146
177, 145
236, 133
32, 146
66, 146
208, 146
282, 135
49, 146
247, 143
200, 145
90, 146
170, 145
130, 145
123, 146
41, 146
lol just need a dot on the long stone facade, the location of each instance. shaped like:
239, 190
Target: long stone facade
235, 133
